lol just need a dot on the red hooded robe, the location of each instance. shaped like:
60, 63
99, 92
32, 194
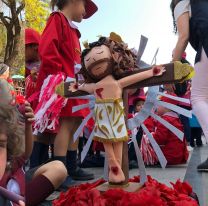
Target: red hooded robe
59, 52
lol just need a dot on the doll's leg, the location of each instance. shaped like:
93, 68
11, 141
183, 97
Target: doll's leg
118, 149
115, 173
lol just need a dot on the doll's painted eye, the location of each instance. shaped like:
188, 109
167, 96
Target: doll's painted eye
87, 59
100, 52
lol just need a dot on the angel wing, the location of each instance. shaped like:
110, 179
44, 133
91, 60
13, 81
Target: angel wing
151, 102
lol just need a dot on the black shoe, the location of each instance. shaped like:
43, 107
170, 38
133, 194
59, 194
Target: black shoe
199, 143
203, 167
80, 174
92, 161
69, 182
192, 144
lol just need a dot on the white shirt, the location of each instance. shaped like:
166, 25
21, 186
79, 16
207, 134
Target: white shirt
13, 186
181, 8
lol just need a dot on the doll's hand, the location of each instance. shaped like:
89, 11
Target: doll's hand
158, 70
29, 115
73, 87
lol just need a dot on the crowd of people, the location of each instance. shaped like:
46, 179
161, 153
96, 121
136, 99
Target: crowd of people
53, 158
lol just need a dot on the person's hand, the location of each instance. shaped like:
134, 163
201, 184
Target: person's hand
29, 115
73, 87
169, 88
158, 70
21, 203
34, 74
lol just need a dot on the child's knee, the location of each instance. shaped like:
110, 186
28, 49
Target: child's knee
59, 168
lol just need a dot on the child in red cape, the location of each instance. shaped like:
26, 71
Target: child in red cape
32, 39
41, 145
149, 123
60, 52
172, 147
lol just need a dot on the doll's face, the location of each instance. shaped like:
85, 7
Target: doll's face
97, 62
3, 153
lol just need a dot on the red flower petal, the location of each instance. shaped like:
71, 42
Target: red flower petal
152, 194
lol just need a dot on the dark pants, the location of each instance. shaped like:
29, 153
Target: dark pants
4, 201
40, 152
131, 152
186, 126
196, 133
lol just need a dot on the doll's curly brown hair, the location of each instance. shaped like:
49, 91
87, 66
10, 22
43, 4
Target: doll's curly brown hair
125, 61
11, 127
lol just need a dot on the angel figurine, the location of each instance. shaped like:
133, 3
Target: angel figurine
103, 62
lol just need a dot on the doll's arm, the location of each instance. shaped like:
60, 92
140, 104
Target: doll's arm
89, 88
132, 79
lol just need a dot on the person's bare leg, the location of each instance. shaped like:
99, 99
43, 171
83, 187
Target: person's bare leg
74, 171
115, 172
54, 171
61, 141
71, 161
45, 180
74, 145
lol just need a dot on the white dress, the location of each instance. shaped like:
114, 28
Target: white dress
109, 121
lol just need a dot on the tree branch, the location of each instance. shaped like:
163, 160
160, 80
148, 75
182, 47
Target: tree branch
21, 7
5, 2
9, 18
3, 19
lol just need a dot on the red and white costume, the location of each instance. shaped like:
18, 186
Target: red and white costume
172, 147
59, 52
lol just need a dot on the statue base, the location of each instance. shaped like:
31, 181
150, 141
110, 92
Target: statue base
129, 187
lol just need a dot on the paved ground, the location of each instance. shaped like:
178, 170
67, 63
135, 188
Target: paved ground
198, 180
187, 172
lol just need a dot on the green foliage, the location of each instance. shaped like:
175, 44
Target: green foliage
37, 13
2, 41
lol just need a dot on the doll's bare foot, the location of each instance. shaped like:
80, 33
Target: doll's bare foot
116, 174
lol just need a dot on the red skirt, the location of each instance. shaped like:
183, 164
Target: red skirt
67, 110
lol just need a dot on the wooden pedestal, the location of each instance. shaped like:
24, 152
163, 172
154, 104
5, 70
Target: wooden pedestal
129, 187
